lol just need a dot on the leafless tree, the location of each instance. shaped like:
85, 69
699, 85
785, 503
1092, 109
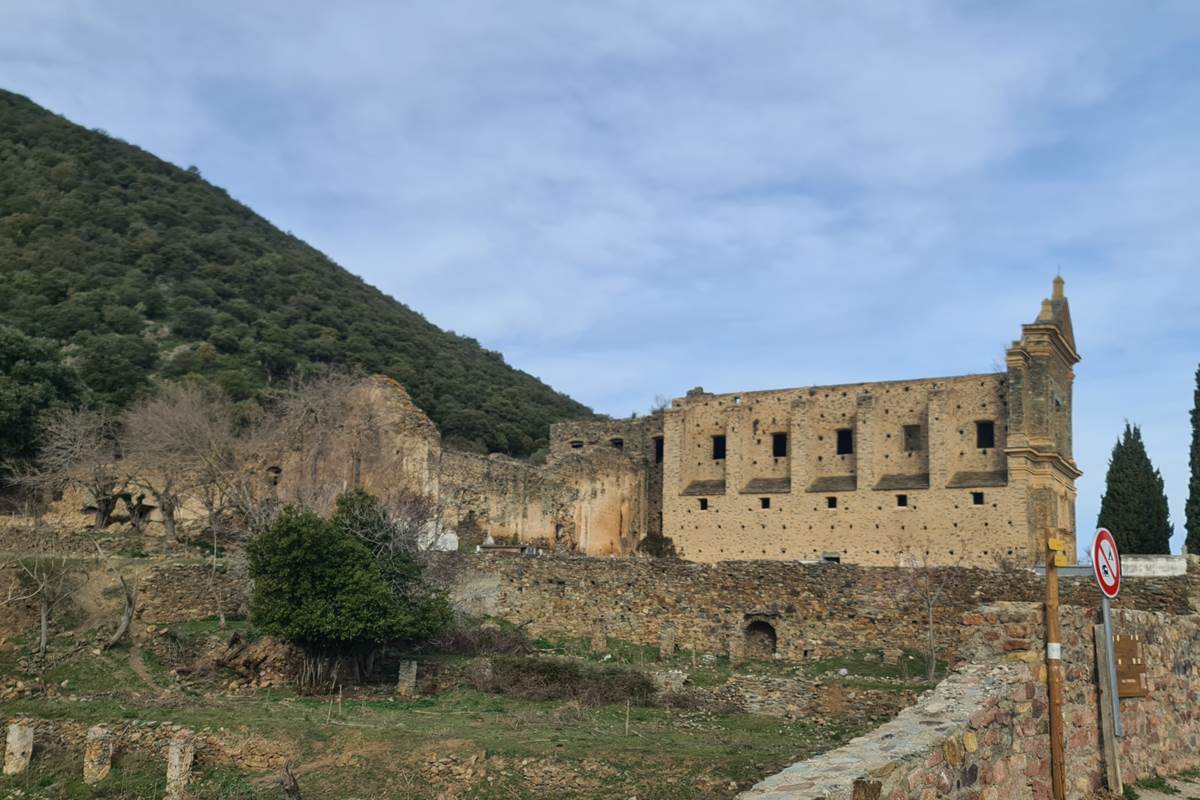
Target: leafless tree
47, 577
80, 449
312, 416
925, 584
163, 437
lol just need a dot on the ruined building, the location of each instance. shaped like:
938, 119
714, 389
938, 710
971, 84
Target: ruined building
970, 469
961, 470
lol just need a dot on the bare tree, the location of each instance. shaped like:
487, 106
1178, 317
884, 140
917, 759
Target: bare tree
80, 449
161, 442
47, 577
925, 584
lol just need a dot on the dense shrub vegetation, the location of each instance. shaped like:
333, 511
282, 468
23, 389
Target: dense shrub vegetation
137, 271
321, 588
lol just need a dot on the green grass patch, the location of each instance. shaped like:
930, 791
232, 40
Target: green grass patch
1157, 783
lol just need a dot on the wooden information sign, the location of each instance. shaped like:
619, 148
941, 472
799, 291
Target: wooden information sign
1131, 667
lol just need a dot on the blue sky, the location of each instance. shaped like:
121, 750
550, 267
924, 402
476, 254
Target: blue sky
630, 199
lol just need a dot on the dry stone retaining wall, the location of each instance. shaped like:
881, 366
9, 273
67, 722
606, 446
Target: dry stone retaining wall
983, 734
816, 610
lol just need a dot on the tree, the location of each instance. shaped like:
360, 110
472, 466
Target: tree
79, 449
1192, 509
48, 577
177, 441
32, 380
924, 584
318, 587
1134, 507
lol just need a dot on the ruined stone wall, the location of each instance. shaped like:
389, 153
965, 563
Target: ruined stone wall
983, 734
816, 610
935, 496
627, 450
506, 499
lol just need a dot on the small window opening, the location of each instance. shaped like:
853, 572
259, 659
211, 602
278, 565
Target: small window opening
831, 502
658, 449
779, 445
831, 558
977, 498
912, 438
704, 504
764, 502
618, 444
845, 441
718, 444
576, 444
985, 434
901, 501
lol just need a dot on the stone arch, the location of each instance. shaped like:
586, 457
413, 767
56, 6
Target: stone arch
761, 639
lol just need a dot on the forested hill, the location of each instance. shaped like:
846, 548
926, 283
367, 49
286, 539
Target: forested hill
136, 271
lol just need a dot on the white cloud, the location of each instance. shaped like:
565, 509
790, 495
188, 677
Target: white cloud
631, 198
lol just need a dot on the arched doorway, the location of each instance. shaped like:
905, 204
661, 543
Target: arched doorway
760, 640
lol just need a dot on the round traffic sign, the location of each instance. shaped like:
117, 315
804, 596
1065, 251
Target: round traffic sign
1106, 562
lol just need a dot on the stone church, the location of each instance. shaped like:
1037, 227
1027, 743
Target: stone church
969, 469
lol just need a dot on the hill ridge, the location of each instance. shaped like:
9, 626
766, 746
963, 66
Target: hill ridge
140, 270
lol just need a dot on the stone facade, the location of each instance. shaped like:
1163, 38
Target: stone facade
811, 610
961, 470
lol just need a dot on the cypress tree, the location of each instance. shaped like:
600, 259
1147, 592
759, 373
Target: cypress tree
1134, 507
1192, 509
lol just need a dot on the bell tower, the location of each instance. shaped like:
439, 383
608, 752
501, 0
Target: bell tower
1040, 379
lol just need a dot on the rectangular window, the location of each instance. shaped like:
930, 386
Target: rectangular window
704, 504
831, 502
845, 441
658, 449
901, 501
985, 434
779, 445
977, 498
718, 448
912, 438
831, 558
576, 444
764, 502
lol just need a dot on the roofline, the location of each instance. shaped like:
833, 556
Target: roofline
943, 378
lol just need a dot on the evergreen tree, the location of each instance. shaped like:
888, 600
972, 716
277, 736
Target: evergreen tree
1192, 510
1134, 507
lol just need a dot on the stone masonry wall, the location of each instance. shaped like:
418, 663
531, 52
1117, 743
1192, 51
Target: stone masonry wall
816, 610
983, 734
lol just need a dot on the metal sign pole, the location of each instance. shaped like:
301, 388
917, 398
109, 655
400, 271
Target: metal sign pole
1112, 665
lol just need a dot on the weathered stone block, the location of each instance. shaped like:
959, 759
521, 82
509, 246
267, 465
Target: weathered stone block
18, 748
406, 679
97, 754
180, 754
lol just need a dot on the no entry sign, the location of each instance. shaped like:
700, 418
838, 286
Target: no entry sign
1106, 562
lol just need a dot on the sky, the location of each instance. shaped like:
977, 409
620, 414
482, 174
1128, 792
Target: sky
631, 199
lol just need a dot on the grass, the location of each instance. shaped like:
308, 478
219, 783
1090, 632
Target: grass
666, 754
1157, 783
371, 745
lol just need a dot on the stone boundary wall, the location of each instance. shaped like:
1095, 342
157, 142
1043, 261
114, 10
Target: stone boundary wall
983, 733
816, 610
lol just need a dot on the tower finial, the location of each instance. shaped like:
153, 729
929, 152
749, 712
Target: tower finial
1057, 293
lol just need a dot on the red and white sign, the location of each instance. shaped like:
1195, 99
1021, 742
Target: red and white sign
1106, 562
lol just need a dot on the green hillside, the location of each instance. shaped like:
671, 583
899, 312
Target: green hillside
137, 271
